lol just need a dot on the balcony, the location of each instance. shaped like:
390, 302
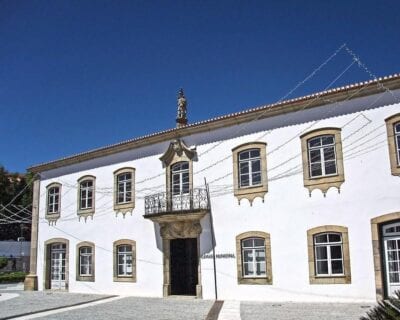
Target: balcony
196, 200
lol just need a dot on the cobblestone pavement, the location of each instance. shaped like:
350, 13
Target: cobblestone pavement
309, 311
39, 300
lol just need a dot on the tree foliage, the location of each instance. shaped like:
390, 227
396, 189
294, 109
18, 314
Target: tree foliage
386, 309
10, 185
3, 262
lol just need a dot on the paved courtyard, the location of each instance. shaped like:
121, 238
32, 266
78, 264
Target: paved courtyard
16, 304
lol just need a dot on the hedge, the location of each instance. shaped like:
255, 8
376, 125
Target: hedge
11, 277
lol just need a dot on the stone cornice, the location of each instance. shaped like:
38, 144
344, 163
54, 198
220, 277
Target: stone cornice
306, 102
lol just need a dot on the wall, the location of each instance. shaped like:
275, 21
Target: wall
286, 214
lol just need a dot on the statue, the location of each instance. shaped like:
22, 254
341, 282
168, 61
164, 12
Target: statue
181, 107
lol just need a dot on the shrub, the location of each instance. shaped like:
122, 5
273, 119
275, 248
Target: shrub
3, 262
386, 309
10, 277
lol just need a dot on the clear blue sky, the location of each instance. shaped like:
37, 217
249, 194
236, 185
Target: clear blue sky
77, 75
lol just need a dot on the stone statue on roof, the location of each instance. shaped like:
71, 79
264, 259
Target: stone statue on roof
181, 119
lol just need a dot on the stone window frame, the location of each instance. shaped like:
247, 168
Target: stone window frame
394, 161
267, 280
126, 206
53, 217
85, 213
117, 243
47, 263
80, 277
323, 183
331, 279
250, 192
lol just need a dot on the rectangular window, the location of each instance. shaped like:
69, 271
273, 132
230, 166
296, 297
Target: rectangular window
328, 254
180, 178
322, 156
53, 200
85, 261
124, 260
253, 255
124, 187
86, 194
249, 168
397, 140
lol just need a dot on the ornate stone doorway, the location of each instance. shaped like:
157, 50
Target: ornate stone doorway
184, 262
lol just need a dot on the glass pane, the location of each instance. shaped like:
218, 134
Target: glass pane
129, 259
321, 238
327, 140
121, 270
248, 255
336, 252
397, 127
394, 277
256, 178
330, 167
185, 166
314, 142
259, 242
315, 156
248, 269
322, 267
260, 255
244, 167
337, 267
185, 188
261, 269
247, 243
255, 166
321, 252
335, 237
244, 180
393, 266
391, 244
255, 153
392, 255
316, 169
329, 153
244, 155
185, 177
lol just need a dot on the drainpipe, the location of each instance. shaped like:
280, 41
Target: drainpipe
212, 239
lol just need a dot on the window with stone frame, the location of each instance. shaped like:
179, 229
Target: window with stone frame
86, 196
124, 190
124, 260
253, 254
53, 203
393, 136
329, 258
250, 171
322, 159
85, 261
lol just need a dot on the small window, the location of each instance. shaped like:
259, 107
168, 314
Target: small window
53, 203
329, 257
249, 168
125, 260
328, 254
85, 261
250, 171
393, 136
322, 159
253, 254
124, 185
180, 178
86, 196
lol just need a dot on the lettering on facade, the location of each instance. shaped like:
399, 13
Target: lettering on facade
219, 256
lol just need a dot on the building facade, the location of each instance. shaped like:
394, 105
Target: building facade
295, 201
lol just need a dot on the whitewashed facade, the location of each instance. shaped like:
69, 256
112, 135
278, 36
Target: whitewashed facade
284, 211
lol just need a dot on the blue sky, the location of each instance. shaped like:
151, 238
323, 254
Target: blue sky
77, 75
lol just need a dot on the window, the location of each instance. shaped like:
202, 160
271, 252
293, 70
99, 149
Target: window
180, 178
125, 260
393, 135
253, 253
86, 196
322, 159
53, 202
329, 260
85, 261
250, 171
124, 180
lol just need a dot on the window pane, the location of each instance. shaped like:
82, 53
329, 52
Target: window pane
248, 269
244, 155
392, 255
327, 140
316, 169
261, 269
248, 255
394, 277
255, 153
185, 177
260, 255
337, 267
329, 153
247, 243
330, 167
256, 178
258, 242
393, 266
321, 238
255, 166
314, 142
335, 237
391, 244
397, 127
121, 270
336, 252
322, 267
244, 180
315, 156
321, 252
185, 166
244, 167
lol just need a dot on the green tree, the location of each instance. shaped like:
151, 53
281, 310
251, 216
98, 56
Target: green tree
11, 184
386, 309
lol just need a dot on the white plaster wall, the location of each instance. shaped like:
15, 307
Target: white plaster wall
287, 213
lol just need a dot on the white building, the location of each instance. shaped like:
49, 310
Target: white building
304, 195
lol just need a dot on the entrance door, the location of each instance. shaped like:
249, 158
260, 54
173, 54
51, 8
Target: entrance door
184, 263
57, 266
391, 239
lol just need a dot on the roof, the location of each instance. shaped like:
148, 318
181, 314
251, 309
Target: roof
348, 92
14, 248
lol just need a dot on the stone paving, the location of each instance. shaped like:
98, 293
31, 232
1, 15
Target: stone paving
309, 311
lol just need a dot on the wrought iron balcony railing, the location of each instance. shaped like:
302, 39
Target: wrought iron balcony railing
195, 199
